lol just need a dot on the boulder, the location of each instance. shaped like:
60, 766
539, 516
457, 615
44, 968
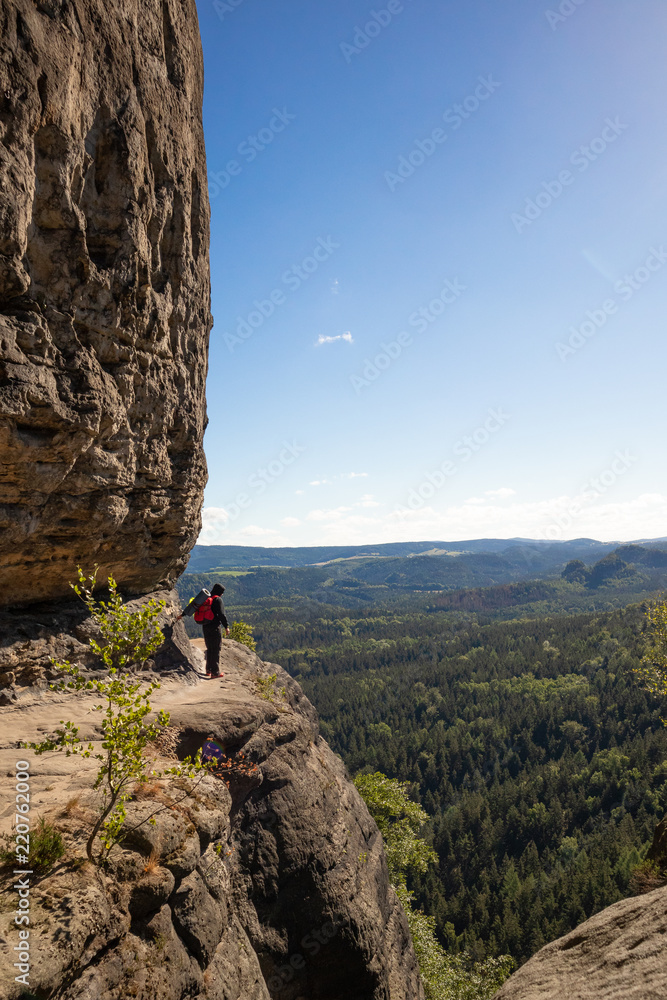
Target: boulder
619, 954
198, 918
151, 892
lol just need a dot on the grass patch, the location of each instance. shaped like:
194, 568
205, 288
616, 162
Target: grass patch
266, 688
152, 861
646, 877
46, 847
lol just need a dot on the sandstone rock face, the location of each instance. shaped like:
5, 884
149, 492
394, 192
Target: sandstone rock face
619, 954
61, 630
104, 291
272, 886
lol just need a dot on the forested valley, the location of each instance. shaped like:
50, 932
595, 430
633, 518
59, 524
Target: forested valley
538, 758
532, 746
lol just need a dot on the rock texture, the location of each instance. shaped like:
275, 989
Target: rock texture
31, 638
619, 954
104, 291
273, 886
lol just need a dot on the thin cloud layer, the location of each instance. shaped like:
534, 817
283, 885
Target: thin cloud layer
328, 482
368, 521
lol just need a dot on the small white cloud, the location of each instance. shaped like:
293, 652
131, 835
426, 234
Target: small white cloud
323, 339
342, 475
503, 492
334, 286
299, 493
290, 522
316, 515
254, 531
328, 515
214, 515
336, 514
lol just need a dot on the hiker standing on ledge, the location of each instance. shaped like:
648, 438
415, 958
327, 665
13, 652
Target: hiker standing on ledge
212, 618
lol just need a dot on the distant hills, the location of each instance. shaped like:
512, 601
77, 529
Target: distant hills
477, 575
208, 557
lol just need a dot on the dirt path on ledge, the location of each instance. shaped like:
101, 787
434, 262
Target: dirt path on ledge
56, 779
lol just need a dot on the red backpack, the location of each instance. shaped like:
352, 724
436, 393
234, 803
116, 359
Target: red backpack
204, 612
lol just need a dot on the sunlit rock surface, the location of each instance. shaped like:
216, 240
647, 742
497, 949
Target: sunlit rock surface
273, 885
619, 954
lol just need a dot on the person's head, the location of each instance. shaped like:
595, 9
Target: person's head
217, 590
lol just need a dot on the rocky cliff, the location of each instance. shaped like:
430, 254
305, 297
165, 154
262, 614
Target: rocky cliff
104, 291
61, 630
271, 886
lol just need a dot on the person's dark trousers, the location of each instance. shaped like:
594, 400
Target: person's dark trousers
213, 640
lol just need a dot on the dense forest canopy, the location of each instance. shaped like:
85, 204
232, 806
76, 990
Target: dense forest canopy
537, 757
208, 557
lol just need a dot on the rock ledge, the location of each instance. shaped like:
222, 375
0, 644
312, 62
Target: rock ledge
273, 886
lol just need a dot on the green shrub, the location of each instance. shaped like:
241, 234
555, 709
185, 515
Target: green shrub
266, 688
46, 847
129, 639
445, 976
653, 669
242, 632
645, 877
399, 820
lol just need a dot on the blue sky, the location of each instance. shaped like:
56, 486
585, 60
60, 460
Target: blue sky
439, 270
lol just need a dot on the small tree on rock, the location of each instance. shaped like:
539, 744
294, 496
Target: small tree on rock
128, 640
653, 668
242, 632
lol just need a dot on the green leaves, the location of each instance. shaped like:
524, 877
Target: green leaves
242, 632
399, 819
652, 671
130, 638
445, 976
